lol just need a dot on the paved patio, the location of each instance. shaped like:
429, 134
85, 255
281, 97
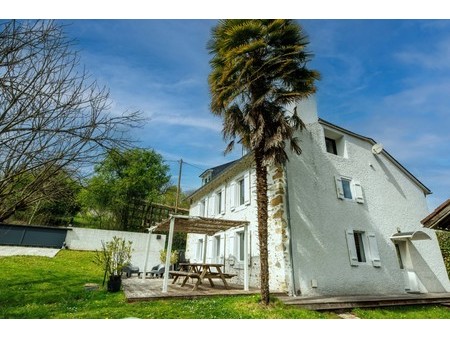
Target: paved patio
137, 289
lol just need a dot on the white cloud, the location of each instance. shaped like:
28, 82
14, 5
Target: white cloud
436, 58
187, 120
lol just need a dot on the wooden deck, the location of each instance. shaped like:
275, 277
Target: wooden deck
137, 289
364, 301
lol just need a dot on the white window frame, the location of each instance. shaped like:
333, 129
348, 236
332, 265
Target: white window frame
240, 194
202, 208
355, 189
370, 247
199, 253
339, 140
219, 204
217, 247
239, 246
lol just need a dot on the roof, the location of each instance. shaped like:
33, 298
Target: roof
215, 171
199, 225
389, 156
439, 219
221, 172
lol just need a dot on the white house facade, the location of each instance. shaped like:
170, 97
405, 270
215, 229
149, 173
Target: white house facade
344, 219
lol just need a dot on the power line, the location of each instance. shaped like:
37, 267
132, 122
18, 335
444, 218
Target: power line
192, 165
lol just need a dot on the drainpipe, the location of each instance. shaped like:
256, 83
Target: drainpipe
288, 220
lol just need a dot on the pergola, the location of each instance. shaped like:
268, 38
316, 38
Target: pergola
197, 225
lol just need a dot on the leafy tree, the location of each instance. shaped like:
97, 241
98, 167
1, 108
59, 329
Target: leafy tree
53, 117
124, 183
258, 68
170, 195
58, 208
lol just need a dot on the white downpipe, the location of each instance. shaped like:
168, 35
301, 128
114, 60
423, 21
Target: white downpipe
246, 258
168, 254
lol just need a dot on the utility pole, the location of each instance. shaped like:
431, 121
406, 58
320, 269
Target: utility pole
178, 187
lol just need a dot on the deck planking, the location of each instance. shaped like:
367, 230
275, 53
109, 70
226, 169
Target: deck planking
137, 289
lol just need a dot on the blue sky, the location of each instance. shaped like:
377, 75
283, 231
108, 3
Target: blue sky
385, 79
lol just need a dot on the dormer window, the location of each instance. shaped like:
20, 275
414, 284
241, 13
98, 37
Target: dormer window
206, 177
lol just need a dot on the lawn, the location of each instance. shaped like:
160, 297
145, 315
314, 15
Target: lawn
40, 287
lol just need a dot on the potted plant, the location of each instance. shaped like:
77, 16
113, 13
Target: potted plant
113, 257
173, 256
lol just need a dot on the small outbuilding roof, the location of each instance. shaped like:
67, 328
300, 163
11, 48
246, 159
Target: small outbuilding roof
439, 219
199, 225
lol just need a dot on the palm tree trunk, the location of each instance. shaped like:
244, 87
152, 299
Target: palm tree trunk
262, 201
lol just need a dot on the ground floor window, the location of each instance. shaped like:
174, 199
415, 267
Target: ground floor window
362, 248
199, 253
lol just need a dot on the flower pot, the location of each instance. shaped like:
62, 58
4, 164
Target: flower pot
114, 283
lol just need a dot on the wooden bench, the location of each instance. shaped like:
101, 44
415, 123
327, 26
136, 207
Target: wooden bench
185, 274
217, 275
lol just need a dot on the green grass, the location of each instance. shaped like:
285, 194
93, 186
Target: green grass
40, 287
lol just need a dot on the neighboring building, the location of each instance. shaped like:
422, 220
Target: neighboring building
439, 219
344, 218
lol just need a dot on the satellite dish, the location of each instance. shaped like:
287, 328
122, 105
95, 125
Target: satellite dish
377, 148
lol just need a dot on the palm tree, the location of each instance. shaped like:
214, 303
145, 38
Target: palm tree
258, 68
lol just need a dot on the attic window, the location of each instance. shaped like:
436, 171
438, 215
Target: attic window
335, 143
331, 145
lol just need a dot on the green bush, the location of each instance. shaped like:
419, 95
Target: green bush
444, 243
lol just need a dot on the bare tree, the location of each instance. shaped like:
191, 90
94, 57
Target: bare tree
53, 117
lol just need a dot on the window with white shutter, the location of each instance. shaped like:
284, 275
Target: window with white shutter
362, 248
358, 192
247, 188
351, 248
349, 189
232, 196
339, 189
374, 253
222, 201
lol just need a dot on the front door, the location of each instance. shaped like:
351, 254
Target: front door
412, 282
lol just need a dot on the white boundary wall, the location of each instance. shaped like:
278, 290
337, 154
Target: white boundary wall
91, 240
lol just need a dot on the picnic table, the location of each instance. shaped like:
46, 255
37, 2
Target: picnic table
200, 271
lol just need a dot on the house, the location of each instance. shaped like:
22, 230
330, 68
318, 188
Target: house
344, 219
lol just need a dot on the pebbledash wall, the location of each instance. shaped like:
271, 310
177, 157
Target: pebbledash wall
91, 240
320, 221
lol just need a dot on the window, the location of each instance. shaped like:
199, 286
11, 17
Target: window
359, 245
335, 143
362, 248
331, 146
217, 248
240, 245
241, 191
199, 254
220, 202
349, 189
346, 188
202, 208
